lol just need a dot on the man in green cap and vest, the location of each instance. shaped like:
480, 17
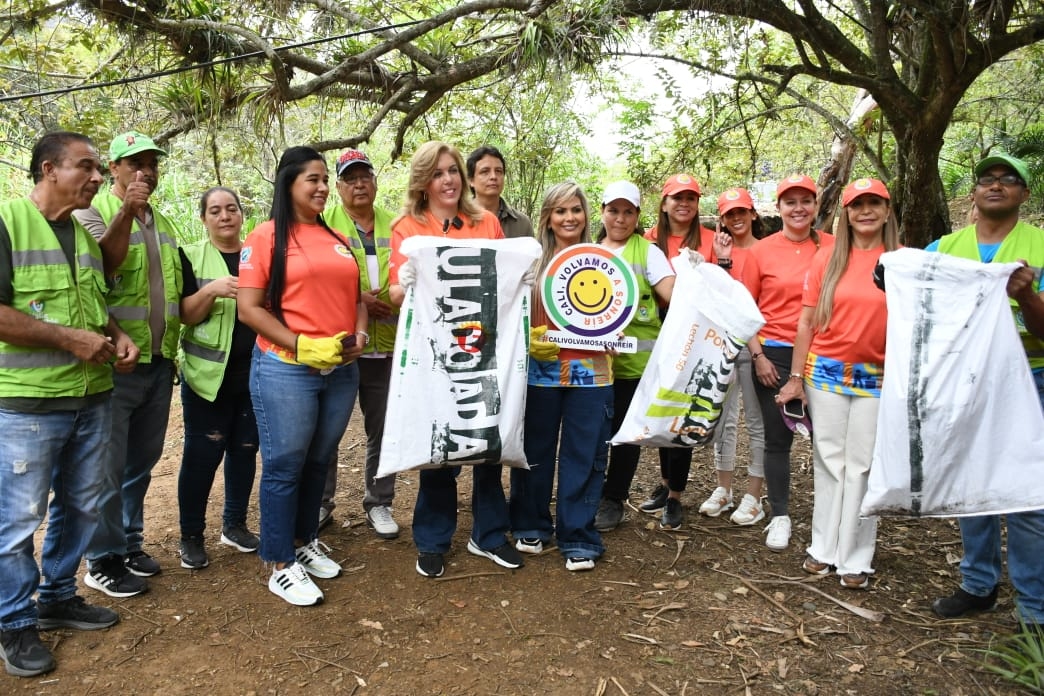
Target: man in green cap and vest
140, 249
1001, 187
57, 348
368, 229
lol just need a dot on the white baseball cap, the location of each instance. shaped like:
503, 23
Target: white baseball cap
622, 189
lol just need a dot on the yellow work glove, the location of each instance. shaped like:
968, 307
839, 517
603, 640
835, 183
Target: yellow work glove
320, 353
539, 347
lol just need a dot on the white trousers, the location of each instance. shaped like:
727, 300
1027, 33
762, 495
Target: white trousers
843, 434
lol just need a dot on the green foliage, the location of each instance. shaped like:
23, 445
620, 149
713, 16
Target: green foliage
1019, 658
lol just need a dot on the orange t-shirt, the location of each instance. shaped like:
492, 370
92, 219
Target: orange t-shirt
322, 280
774, 273
407, 226
856, 333
674, 243
739, 260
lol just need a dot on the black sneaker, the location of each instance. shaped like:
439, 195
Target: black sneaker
672, 515
24, 654
240, 538
141, 564
76, 613
505, 555
961, 603
110, 576
656, 501
193, 553
430, 565
609, 516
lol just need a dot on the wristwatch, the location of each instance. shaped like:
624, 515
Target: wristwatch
725, 263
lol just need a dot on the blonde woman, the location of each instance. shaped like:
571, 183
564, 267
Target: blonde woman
838, 366
439, 204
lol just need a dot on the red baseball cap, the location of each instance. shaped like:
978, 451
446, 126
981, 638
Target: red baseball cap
734, 198
862, 187
796, 181
679, 183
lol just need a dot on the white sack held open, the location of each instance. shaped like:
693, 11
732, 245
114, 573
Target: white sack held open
458, 384
960, 430
681, 393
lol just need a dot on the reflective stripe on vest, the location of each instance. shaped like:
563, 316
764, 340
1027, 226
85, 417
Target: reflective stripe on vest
45, 287
205, 346
1024, 242
128, 295
645, 326
382, 331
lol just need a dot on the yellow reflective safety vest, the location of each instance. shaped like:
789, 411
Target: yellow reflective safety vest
205, 346
645, 326
128, 295
382, 331
1024, 242
46, 288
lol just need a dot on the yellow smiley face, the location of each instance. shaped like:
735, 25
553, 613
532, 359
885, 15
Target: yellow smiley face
590, 291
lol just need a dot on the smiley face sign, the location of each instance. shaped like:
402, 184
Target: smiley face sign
589, 291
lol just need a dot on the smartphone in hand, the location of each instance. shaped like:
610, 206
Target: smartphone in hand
349, 341
795, 408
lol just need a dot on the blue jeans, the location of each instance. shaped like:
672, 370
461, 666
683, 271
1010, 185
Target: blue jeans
981, 564
583, 416
140, 410
435, 512
301, 416
62, 450
222, 429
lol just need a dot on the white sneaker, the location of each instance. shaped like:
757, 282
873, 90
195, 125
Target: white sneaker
529, 545
379, 517
313, 558
294, 586
579, 564
718, 502
750, 510
777, 533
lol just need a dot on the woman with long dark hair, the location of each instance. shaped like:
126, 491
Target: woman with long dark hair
739, 219
299, 290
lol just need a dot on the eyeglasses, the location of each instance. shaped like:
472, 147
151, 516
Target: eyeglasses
357, 179
1006, 179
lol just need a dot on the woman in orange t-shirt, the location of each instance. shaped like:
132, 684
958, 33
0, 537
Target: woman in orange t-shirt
439, 204
741, 221
774, 273
838, 366
299, 290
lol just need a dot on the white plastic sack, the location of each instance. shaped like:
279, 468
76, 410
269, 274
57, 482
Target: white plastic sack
960, 430
681, 393
458, 383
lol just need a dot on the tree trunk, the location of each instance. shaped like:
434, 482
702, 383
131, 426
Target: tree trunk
838, 170
918, 193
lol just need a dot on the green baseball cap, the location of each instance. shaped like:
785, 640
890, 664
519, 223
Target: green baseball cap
131, 143
1005, 160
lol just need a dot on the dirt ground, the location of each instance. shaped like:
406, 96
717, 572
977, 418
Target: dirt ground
706, 610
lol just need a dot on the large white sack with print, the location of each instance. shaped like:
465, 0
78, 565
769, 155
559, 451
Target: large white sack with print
959, 430
458, 383
681, 393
